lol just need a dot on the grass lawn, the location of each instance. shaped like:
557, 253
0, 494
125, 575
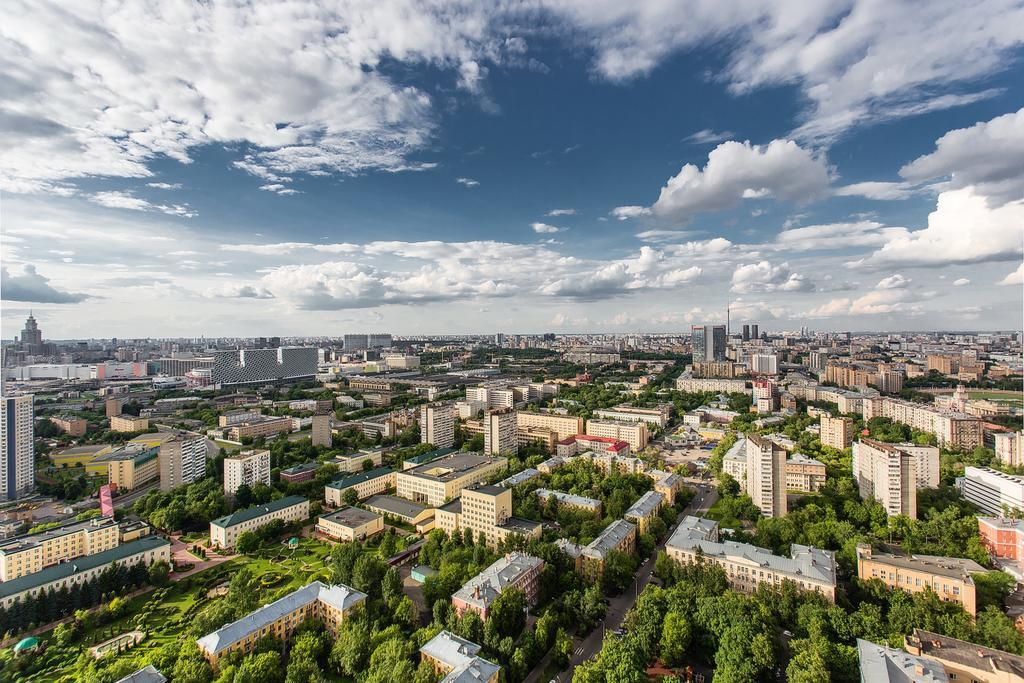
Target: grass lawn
165, 613
717, 512
1015, 398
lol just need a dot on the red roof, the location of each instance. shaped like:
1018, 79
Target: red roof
619, 446
600, 439
567, 441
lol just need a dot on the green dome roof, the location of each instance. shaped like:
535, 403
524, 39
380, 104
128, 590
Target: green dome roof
26, 644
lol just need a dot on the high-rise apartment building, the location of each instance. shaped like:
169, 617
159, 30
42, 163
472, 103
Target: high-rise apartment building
836, 432
636, 434
1009, 448
437, 424
766, 476
246, 467
950, 428
17, 446
500, 432
764, 364
708, 343
182, 460
322, 431
564, 426
888, 474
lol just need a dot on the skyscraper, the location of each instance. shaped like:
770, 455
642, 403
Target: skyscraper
746, 333
708, 343
17, 446
32, 336
766, 476
754, 333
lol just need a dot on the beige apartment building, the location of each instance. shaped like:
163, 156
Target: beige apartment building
620, 536
329, 605
766, 476
443, 479
748, 566
804, 474
514, 570
964, 661
131, 466
224, 531
69, 424
487, 512
563, 426
500, 432
836, 432
635, 434
437, 424
128, 423
455, 659
949, 577
365, 484
146, 551
955, 430
644, 510
23, 555
182, 460
321, 431
265, 427
246, 467
892, 473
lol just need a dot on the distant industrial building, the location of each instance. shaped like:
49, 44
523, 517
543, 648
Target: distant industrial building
261, 366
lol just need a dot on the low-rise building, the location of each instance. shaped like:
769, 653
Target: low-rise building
520, 477
644, 510
514, 570
262, 426
131, 466
668, 484
563, 426
128, 423
656, 417
350, 524
609, 462
393, 507
442, 479
356, 462
949, 577
964, 661
330, 605
582, 443
298, 474
881, 664
69, 424
224, 531
457, 660
82, 456
570, 500
86, 568
804, 474
1003, 538
365, 484
748, 566
699, 384
23, 555
619, 536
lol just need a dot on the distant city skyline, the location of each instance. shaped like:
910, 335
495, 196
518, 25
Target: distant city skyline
293, 170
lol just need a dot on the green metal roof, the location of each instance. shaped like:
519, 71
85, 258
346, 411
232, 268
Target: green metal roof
359, 478
26, 643
255, 511
423, 458
78, 565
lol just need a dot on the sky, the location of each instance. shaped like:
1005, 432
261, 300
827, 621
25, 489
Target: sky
179, 169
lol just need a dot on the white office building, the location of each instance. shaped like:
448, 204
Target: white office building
992, 491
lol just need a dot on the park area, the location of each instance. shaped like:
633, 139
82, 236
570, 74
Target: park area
1015, 398
165, 614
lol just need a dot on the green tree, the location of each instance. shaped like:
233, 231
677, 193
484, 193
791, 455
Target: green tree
262, 668
351, 650
508, 612
247, 542
675, 638
350, 497
159, 573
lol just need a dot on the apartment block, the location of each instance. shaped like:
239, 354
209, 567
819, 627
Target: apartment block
836, 432
71, 425
246, 467
456, 660
444, 478
365, 484
964, 661
182, 460
356, 462
147, 551
635, 434
804, 474
700, 384
949, 577
888, 474
581, 443
321, 431
570, 500
329, 605
881, 664
262, 426
656, 417
1009, 447
128, 423
224, 531
350, 524
748, 566
437, 424
644, 510
487, 512
668, 484
766, 476
23, 555
563, 426
620, 536
951, 429
994, 492
500, 432
514, 570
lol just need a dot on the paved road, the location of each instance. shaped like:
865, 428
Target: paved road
622, 604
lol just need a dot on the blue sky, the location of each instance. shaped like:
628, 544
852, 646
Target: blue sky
322, 168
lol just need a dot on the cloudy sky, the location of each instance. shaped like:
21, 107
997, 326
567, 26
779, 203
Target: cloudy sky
293, 168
